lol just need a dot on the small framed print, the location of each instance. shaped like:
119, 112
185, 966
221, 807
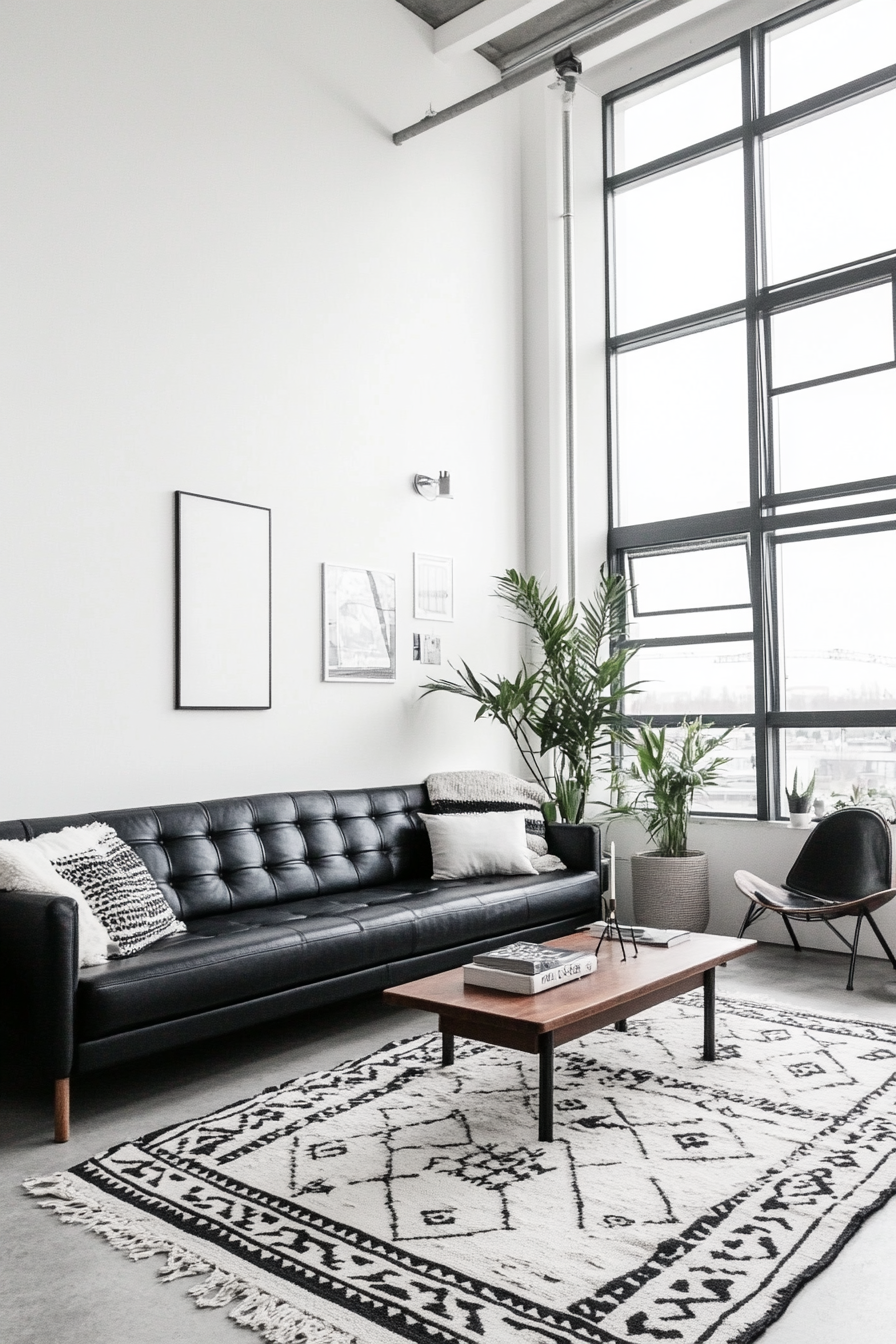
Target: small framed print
358, 624
433, 587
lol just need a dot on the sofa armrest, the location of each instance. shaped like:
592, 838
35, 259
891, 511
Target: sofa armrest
577, 845
39, 975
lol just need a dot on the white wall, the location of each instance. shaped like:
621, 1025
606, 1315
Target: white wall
220, 275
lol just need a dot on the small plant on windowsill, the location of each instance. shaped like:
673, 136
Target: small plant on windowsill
879, 800
799, 802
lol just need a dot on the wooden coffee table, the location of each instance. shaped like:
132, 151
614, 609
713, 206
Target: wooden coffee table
536, 1023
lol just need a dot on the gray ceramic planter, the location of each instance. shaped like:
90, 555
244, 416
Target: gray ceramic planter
671, 893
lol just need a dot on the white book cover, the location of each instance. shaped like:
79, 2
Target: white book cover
513, 983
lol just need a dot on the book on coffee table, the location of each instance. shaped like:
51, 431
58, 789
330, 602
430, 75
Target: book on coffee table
525, 958
514, 983
642, 933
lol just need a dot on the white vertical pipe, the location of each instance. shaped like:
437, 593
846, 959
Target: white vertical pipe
569, 326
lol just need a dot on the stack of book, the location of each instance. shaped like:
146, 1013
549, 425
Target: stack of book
528, 968
642, 934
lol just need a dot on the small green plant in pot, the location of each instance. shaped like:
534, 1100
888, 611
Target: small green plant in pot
670, 883
863, 795
799, 802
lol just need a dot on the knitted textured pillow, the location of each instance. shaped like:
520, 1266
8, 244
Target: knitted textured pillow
117, 885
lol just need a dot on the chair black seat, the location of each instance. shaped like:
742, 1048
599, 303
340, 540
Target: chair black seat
843, 869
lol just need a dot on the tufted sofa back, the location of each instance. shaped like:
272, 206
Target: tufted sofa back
236, 853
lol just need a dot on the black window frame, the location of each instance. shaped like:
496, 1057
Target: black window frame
766, 521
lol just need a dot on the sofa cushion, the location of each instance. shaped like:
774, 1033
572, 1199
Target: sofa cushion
238, 955
477, 845
234, 853
117, 886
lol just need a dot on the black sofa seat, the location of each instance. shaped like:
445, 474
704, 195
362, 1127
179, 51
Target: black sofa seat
225, 959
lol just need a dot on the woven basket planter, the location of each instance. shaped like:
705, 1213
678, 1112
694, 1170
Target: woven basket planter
671, 893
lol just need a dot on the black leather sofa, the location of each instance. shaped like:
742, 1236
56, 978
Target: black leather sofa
291, 901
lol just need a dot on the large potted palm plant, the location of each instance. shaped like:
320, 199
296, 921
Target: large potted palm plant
563, 708
670, 883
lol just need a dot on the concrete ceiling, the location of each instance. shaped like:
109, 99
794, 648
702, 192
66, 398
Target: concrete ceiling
504, 31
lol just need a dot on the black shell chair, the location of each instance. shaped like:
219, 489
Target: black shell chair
843, 869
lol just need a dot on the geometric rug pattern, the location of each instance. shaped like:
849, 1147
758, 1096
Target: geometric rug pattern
391, 1199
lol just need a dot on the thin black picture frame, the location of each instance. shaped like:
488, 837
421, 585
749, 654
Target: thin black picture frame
179, 614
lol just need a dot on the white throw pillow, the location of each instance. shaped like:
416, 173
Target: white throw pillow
24, 868
117, 884
477, 845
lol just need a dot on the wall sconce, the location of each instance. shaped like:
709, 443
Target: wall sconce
429, 487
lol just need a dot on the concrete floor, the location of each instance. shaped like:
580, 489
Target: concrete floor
60, 1282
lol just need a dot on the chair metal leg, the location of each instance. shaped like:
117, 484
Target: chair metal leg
837, 934
855, 950
793, 937
881, 939
753, 913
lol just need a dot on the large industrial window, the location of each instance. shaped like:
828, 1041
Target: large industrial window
751, 257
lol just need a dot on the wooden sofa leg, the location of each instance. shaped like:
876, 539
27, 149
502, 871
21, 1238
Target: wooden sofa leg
61, 1110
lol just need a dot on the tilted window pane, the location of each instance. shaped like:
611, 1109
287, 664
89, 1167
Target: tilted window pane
827, 49
679, 242
830, 189
693, 679
839, 641
682, 426
842, 431
851, 331
685, 580
849, 764
681, 111
727, 621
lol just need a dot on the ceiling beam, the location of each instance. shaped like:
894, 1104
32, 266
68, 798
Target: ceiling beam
484, 21
588, 46
685, 12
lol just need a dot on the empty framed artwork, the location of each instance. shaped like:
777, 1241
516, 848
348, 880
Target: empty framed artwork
358, 624
433, 587
223, 603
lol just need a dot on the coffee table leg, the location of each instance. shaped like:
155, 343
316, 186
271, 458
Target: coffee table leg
709, 1014
546, 1087
447, 1048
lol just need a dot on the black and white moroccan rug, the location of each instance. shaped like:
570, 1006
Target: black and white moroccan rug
392, 1200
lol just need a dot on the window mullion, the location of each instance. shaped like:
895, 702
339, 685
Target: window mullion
752, 75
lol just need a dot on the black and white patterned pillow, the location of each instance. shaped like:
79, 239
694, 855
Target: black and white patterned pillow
119, 889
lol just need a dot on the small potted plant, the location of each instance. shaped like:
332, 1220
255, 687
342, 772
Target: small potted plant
799, 802
670, 883
861, 795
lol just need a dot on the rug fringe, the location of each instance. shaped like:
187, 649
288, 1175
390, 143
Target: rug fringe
270, 1317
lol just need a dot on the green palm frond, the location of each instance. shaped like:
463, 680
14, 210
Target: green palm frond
570, 700
664, 778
